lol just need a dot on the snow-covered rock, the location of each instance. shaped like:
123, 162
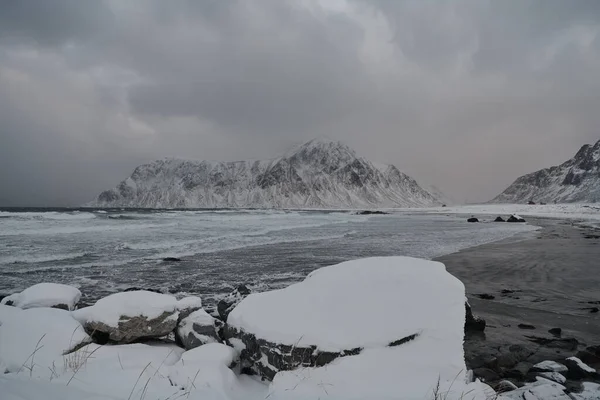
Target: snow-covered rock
214, 360
549, 366
188, 305
197, 329
590, 391
373, 322
515, 218
227, 304
128, 316
45, 295
31, 340
541, 389
576, 180
319, 174
553, 376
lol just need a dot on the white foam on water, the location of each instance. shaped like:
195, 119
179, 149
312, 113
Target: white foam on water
40, 258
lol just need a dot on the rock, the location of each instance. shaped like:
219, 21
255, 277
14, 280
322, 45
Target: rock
499, 219
578, 369
137, 289
371, 213
526, 326
197, 329
473, 219
555, 331
591, 355
486, 296
53, 295
549, 366
486, 375
592, 310
226, 305
188, 305
541, 389
509, 291
515, 218
587, 391
555, 343
512, 356
505, 386
443, 205
553, 376
518, 372
531, 203
171, 259
473, 323
129, 316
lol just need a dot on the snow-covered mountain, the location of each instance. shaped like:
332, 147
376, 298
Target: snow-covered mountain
319, 174
576, 180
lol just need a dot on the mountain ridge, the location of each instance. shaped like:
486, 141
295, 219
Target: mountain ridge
577, 180
321, 173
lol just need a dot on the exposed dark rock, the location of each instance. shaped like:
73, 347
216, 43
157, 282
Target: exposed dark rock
531, 203
473, 219
591, 355
267, 358
473, 323
367, 212
592, 310
555, 343
499, 219
171, 259
135, 289
486, 296
509, 291
514, 218
526, 326
443, 205
578, 369
132, 328
226, 305
513, 356
518, 372
555, 331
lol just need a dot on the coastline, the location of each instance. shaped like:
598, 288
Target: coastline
545, 281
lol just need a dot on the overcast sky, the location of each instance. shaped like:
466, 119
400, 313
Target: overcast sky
464, 94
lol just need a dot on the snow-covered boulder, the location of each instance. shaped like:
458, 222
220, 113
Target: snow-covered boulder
578, 369
197, 329
541, 389
31, 340
387, 322
129, 316
53, 295
549, 366
589, 391
226, 305
188, 305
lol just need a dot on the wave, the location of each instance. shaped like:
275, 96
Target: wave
41, 258
50, 215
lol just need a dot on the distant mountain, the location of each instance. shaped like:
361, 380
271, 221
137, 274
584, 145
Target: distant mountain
319, 174
576, 180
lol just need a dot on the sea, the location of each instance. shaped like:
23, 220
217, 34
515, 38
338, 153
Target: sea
209, 252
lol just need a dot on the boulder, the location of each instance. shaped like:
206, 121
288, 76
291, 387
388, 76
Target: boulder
473, 219
505, 386
578, 369
486, 296
309, 324
515, 218
549, 366
486, 374
555, 331
188, 305
591, 355
553, 376
473, 323
531, 203
526, 326
541, 389
197, 329
367, 212
130, 316
171, 259
53, 295
499, 219
226, 305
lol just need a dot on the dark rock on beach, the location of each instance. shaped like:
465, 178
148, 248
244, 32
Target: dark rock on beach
473, 219
473, 323
171, 259
486, 296
499, 219
515, 218
555, 331
226, 305
367, 212
526, 326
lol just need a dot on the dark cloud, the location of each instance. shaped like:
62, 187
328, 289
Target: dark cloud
466, 95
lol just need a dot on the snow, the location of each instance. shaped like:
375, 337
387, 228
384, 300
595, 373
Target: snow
551, 366
136, 303
582, 365
541, 389
45, 295
199, 317
335, 307
189, 302
31, 340
553, 376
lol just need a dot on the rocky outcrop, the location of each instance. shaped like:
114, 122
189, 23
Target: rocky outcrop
473, 323
499, 219
473, 219
515, 218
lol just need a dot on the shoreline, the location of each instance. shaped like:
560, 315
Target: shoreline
543, 282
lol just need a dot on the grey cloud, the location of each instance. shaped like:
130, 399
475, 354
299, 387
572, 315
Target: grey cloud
466, 95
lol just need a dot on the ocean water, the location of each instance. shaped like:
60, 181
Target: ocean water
105, 251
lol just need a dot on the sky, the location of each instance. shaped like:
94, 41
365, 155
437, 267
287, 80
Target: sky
466, 95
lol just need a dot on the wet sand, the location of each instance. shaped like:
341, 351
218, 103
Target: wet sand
553, 276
